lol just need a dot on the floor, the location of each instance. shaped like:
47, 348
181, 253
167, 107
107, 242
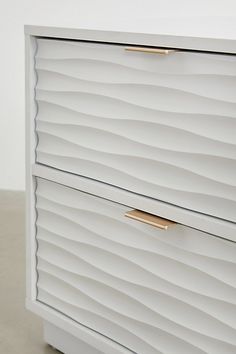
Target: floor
20, 331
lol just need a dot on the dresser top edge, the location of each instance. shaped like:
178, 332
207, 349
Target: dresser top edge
222, 40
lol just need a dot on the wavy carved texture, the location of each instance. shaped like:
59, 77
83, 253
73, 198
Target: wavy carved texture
150, 290
161, 126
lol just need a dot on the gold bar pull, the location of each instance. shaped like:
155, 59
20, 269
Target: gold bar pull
150, 50
149, 219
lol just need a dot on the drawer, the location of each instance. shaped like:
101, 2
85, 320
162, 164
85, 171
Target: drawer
151, 290
158, 125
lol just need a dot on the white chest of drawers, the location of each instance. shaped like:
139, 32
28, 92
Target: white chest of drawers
119, 121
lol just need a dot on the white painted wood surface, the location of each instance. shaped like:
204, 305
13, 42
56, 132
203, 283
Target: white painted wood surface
214, 226
203, 33
158, 125
30, 156
201, 256
64, 324
65, 342
151, 290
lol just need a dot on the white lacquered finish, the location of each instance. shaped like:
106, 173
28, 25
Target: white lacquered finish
158, 125
104, 283
214, 226
65, 342
154, 291
207, 33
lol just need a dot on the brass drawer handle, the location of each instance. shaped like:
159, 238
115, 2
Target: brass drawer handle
150, 50
149, 219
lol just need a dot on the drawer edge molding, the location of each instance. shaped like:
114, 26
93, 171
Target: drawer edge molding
212, 225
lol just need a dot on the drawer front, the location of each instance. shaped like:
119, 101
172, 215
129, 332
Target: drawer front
152, 291
158, 125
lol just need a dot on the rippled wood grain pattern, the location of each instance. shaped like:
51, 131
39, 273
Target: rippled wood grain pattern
161, 126
152, 291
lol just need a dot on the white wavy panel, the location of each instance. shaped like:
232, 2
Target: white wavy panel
99, 139
178, 63
91, 110
127, 281
141, 95
162, 126
175, 185
215, 86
